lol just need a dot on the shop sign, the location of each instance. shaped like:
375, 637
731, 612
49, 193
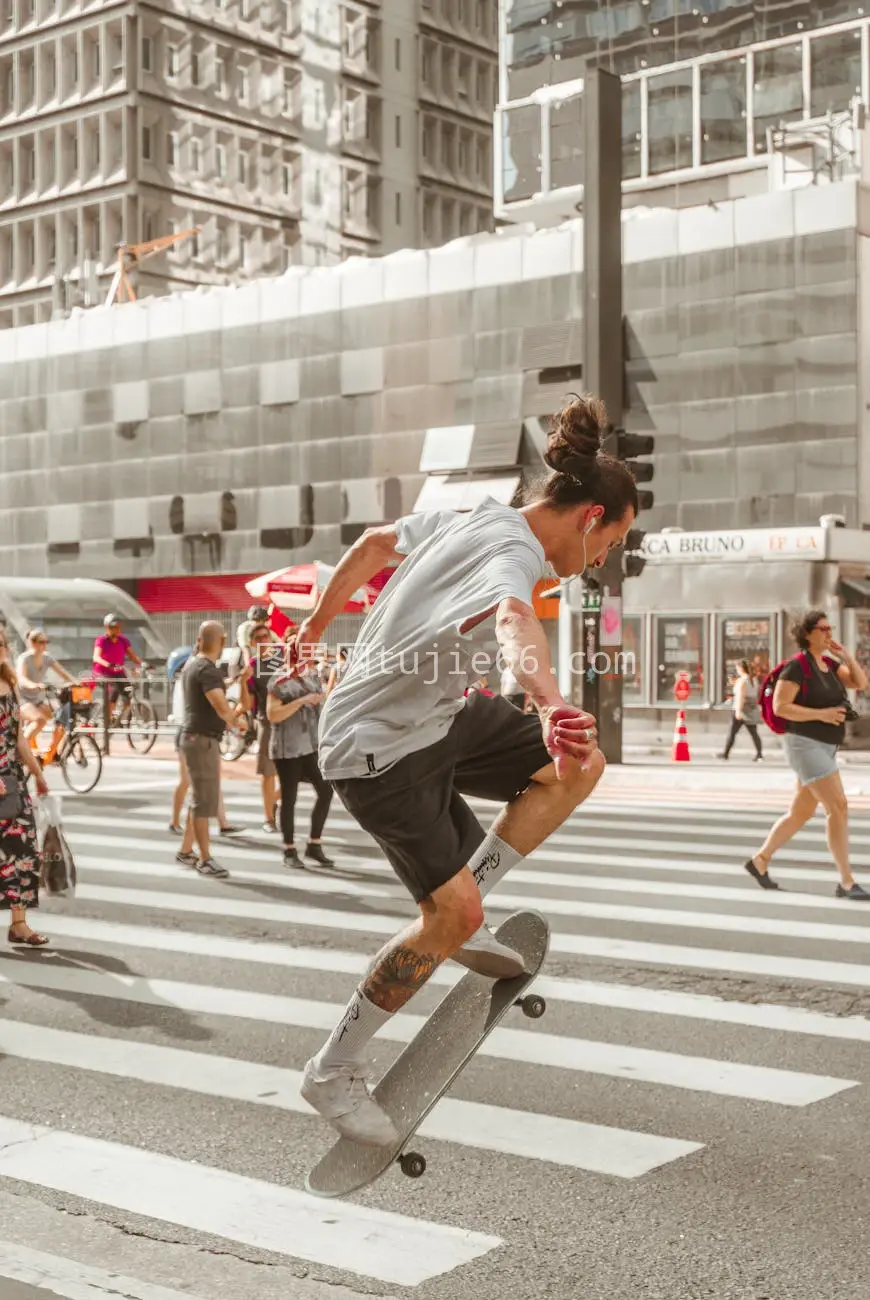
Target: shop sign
735, 545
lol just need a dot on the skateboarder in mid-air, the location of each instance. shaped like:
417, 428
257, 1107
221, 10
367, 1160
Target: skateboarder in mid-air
401, 742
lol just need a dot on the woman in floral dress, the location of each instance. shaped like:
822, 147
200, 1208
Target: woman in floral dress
19, 852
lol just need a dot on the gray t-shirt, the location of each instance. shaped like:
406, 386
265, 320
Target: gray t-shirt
27, 667
412, 663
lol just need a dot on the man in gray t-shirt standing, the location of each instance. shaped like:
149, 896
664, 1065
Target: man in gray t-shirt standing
402, 738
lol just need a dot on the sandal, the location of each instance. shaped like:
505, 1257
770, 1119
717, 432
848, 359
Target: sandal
30, 940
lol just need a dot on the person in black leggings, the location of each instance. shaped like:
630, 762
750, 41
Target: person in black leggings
747, 711
293, 704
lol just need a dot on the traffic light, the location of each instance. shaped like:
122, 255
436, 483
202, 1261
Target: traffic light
633, 563
628, 447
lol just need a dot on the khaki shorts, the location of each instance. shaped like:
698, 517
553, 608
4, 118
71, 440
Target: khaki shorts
203, 757
265, 765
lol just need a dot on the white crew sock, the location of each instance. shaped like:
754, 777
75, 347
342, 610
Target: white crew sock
491, 862
345, 1049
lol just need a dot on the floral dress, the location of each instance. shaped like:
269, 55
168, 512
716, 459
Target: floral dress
19, 850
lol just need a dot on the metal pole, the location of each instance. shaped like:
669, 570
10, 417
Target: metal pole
603, 371
106, 728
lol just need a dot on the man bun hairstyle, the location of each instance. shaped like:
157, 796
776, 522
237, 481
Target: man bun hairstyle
584, 473
804, 625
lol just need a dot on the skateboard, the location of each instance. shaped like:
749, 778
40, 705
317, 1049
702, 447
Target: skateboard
428, 1066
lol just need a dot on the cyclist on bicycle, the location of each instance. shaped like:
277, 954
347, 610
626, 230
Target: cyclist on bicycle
111, 652
31, 668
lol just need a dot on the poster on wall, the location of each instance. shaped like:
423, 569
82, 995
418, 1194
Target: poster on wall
680, 647
744, 638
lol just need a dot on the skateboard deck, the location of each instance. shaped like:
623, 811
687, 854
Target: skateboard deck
428, 1066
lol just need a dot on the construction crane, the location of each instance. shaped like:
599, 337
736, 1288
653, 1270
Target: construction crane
129, 257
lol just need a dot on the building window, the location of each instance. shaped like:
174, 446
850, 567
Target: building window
146, 143
50, 75
244, 84
398, 132
448, 146
28, 11
429, 216
566, 142
220, 77
147, 53
196, 156
244, 166
427, 71
482, 88
291, 84
96, 62
148, 227
397, 55
463, 78
28, 165
398, 208
631, 133
171, 148
223, 244
670, 121
243, 251
835, 72
220, 161
462, 154
521, 152
172, 60
778, 91
194, 68
723, 110
428, 145
481, 158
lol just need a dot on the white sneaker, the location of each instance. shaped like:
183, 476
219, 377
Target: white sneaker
486, 956
345, 1101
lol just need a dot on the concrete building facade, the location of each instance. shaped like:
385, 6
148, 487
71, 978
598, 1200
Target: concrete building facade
289, 132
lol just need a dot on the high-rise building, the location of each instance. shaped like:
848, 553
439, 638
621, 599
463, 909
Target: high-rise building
721, 98
286, 132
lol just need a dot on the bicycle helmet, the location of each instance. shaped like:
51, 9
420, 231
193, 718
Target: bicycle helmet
177, 660
111, 620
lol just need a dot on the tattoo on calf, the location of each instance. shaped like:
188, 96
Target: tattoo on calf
396, 976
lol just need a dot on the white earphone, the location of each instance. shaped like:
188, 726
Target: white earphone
588, 529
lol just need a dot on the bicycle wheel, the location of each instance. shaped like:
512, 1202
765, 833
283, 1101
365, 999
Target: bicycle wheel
81, 762
140, 724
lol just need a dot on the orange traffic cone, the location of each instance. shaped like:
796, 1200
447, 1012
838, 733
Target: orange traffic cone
680, 752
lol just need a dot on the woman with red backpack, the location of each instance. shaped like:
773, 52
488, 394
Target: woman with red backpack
805, 700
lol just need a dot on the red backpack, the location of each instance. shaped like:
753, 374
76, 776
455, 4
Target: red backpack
768, 686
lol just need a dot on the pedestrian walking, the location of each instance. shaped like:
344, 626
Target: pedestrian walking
19, 849
293, 702
746, 711
266, 659
207, 712
402, 743
810, 697
174, 666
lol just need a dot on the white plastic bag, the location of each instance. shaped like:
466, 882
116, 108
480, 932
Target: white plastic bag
58, 869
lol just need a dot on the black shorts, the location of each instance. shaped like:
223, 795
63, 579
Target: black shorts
415, 810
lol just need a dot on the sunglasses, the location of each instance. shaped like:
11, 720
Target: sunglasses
822, 627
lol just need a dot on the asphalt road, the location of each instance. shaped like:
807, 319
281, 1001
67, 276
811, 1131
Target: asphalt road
689, 1119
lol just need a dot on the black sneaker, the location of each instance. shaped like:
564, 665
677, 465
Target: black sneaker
208, 867
761, 877
292, 859
854, 892
187, 859
316, 854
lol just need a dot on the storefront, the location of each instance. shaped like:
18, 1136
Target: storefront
707, 600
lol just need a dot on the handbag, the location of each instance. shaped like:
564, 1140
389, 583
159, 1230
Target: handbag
11, 801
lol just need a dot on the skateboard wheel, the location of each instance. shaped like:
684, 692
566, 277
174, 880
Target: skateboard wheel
412, 1164
533, 1006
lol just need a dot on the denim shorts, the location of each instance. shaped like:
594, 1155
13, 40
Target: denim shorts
810, 760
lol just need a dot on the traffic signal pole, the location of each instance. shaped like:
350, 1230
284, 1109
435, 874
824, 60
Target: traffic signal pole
600, 621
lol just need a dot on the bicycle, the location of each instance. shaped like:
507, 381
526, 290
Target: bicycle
75, 752
136, 716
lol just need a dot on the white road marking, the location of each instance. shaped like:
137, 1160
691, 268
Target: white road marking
567, 1142
561, 1052
74, 1281
388, 887
627, 997
290, 914
371, 1243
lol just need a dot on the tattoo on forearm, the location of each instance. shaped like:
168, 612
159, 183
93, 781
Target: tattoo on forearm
396, 975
